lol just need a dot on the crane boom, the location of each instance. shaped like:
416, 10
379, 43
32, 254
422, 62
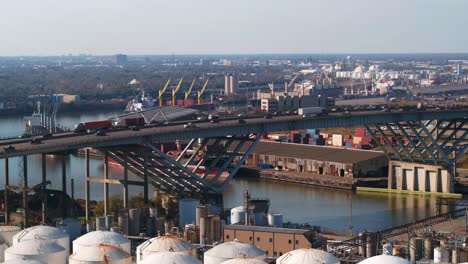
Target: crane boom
176, 90
200, 93
187, 94
161, 92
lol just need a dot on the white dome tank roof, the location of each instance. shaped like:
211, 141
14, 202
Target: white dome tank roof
99, 253
102, 237
235, 249
308, 256
23, 261
170, 258
165, 244
40, 232
244, 261
34, 247
385, 259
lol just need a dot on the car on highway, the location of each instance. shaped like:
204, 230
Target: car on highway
36, 141
242, 115
46, 136
9, 148
190, 125
202, 118
25, 136
214, 120
101, 133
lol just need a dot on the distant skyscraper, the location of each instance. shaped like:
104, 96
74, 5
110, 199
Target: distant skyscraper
459, 69
120, 59
227, 85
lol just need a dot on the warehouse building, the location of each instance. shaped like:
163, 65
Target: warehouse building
333, 161
273, 240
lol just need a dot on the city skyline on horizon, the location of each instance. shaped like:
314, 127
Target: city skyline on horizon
209, 27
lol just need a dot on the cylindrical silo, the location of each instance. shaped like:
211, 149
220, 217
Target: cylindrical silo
237, 215
231, 250
100, 223
187, 211
382, 259
441, 255
306, 256
387, 249
163, 244
23, 261
71, 225
259, 219
123, 223
170, 258
134, 221
100, 254
101, 237
428, 246
275, 220
45, 251
244, 261
45, 233
109, 222
153, 212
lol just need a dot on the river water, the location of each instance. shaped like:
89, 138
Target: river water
329, 208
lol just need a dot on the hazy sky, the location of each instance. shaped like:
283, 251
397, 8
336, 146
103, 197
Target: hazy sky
55, 27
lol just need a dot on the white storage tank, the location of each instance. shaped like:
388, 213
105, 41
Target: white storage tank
244, 261
44, 233
6, 238
387, 249
71, 226
45, 251
187, 211
259, 219
308, 256
163, 244
102, 237
23, 261
237, 215
170, 258
275, 220
441, 255
231, 250
383, 259
100, 254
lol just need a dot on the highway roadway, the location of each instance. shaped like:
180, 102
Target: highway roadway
176, 130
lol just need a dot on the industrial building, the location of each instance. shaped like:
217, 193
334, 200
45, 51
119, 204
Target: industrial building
320, 160
66, 98
120, 59
273, 240
279, 101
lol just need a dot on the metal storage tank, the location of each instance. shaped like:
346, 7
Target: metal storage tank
275, 220
308, 256
6, 238
163, 244
71, 226
170, 258
101, 223
109, 222
244, 261
23, 261
105, 254
259, 219
153, 212
237, 215
231, 250
45, 251
383, 259
187, 211
134, 221
441, 255
44, 233
387, 249
101, 237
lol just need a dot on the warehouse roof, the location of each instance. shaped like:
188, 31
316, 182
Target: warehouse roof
311, 152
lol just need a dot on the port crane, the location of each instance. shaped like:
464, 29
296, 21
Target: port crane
174, 92
187, 94
162, 91
200, 93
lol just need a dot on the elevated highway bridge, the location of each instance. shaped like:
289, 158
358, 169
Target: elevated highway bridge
215, 151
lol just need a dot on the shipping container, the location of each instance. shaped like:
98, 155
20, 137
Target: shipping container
136, 121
